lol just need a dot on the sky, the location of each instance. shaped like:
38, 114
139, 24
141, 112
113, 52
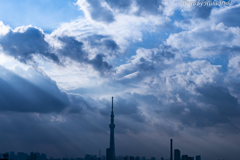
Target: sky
172, 68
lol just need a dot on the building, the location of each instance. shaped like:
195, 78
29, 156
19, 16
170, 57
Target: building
137, 158
177, 154
198, 157
87, 157
110, 152
5, 156
185, 157
21, 156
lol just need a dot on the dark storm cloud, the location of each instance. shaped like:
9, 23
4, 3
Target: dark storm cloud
99, 64
194, 116
82, 105
150, 6
147, 62
55, 135
77, 104
219, 96
165, 129
100, 13
155, 58
187, 113
74, 50
125, 107
20, 95
24, 45
214, 106
150, 100
100, 40
119, 4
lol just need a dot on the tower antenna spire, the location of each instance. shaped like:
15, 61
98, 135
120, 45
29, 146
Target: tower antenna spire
112, 103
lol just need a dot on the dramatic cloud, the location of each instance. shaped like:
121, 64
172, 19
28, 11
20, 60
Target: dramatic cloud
128, 107
23, 45
74, 50
28, 97
106, 11
172, 69
203, 41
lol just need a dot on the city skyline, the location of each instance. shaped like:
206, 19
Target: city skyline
110, 152
41, 156
173, 68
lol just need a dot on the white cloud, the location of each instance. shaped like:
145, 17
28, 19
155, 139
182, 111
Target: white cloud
233, 66
206, 40
4, 29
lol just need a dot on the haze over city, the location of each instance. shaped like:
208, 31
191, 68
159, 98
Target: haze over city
172, 68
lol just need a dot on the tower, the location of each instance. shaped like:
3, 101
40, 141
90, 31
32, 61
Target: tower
111, 150
171, 155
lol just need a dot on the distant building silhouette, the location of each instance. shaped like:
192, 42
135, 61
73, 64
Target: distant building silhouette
198, 157
87, 157
110, 152
5, 156
21, 156
137, 158
184, 157
12, 156
177, 154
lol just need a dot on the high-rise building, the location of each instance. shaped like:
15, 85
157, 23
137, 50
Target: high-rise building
111, 151
12, 156
87, 157
198, 157
177, 154
32, 156
21, 156
184, 157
